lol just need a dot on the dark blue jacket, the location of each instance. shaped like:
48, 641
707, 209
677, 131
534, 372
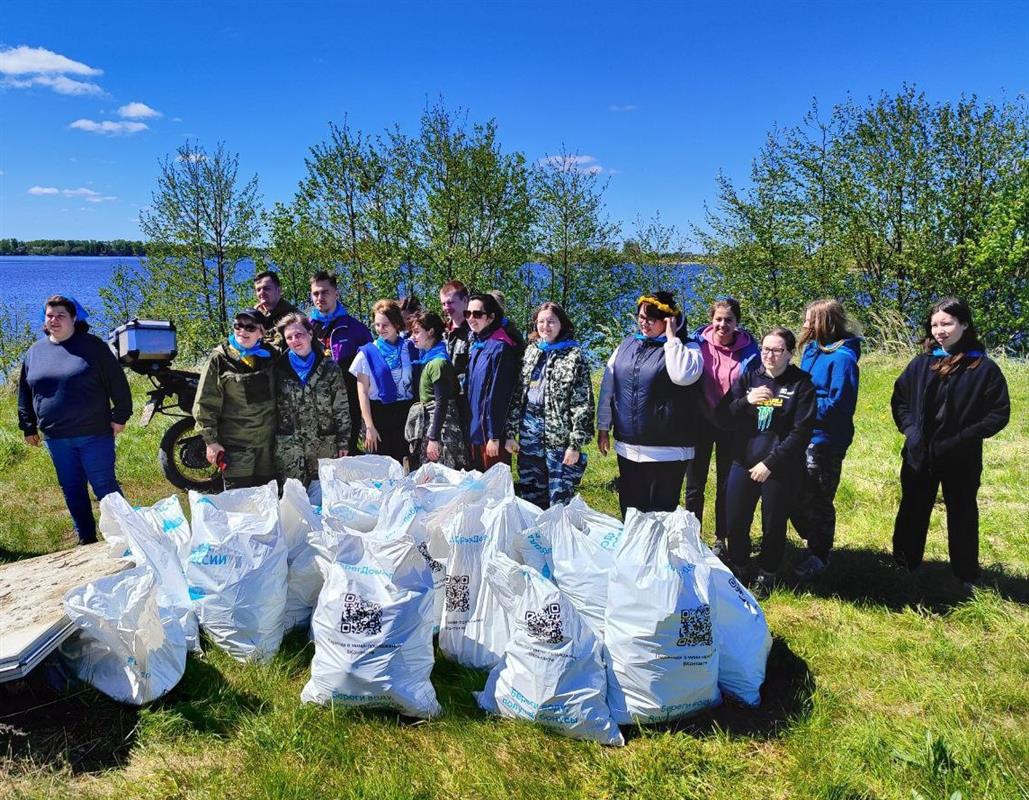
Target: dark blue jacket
834, 372
492, 373
649, 409
342, 338
72, 388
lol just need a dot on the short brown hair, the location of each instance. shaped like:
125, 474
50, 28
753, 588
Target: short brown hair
428, 321
391, 310
785, 334
454, 287
295, 318
730, 303
321, 276
59, 300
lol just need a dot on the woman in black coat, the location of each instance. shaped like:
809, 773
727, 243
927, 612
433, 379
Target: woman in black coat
947, 400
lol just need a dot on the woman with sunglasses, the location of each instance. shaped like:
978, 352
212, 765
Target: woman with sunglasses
492, 372
946, 402
728, 351
648, 393
552, 411
433, 423
771, 411
235, 404
385, 382
313, 410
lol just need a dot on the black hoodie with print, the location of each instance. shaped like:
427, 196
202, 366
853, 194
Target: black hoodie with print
779, 435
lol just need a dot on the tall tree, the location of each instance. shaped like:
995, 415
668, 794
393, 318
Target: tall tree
202, 223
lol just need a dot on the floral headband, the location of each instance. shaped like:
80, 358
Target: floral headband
664, 308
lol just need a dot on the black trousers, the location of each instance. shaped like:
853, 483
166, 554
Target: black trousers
649, 485
709, 438
390, 419
814, 514
776, 495
355, 413
960, 479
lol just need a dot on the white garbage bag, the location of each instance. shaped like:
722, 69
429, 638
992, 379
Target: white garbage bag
373, 629
148, 545
741, 631
165, 516
379, 472
662, 660
576, 545
128, 647
237, 570
304, 579
474, 630
552, 670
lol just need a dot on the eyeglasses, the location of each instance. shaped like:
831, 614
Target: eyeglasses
249, 327
477, 314
772, 351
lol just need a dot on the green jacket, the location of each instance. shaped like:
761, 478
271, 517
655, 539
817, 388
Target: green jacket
568, 408
235, 402
316, 413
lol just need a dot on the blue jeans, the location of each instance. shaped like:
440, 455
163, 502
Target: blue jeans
78, 459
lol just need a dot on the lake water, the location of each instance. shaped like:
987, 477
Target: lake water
27, 281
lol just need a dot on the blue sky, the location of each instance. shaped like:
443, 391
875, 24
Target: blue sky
661, 95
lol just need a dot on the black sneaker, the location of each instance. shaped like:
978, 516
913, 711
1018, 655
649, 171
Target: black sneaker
721, 549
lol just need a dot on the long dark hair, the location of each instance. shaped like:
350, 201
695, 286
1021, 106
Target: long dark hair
969, 340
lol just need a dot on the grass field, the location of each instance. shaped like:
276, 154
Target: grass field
880, 684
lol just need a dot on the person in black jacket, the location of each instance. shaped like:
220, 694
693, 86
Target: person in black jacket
945, 402
72, 389
771, 411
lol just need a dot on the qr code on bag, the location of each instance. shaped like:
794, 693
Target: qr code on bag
360, 616
695, 627
434, 565
457, 593
545, 625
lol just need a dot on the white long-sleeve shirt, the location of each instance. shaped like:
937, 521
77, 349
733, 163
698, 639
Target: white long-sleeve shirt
684, 364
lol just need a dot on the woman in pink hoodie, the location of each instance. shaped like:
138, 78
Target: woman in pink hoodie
728, 352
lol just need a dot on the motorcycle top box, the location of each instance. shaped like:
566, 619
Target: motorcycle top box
144, 340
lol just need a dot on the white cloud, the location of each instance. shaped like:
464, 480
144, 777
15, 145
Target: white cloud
107, 127
617, 109
176, 119
193, 157
578, 163
137, 110
26, 60
89, 195
24, 67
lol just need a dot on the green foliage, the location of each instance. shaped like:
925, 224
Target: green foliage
886, 205
70, 247
201, 224
15, 337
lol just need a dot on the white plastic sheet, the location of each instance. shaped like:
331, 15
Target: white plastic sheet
552, 671
146, 539
237, 570
662, 659
128, 647
373, 628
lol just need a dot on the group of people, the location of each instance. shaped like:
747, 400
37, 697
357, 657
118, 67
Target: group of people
466, 390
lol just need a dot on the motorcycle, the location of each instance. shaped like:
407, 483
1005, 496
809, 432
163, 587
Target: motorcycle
140, 345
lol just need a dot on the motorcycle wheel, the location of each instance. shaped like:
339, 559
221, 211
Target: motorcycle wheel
183, 459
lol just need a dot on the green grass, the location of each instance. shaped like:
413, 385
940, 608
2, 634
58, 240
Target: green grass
880, 685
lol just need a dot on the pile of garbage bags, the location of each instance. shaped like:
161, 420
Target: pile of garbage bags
583, 623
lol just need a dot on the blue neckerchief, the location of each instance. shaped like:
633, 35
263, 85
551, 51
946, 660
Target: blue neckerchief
382, 375
939, 352
248, 352
564, 344
302, 365
323, 318
390, 352
438, 350
656, 339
